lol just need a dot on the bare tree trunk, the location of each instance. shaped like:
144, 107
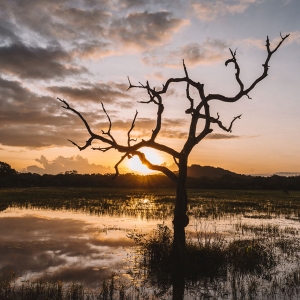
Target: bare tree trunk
180, 220
179, 242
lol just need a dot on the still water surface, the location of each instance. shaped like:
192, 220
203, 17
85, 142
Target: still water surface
72, 245
66, 246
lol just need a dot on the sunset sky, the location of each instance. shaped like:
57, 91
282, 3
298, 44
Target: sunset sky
83, 51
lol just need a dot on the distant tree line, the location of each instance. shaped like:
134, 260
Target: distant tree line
225, 180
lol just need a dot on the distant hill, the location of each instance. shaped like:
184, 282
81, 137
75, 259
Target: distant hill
198, 177
197, 171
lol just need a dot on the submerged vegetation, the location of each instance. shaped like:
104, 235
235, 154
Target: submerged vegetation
157, 204
240, 244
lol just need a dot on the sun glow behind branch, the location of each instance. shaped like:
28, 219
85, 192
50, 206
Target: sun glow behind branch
135, 164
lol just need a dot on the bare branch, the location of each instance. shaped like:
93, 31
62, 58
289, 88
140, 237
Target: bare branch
195, 110
87, 144
93, 135
185, 70
206, 130
103, 149
129, 131
222, 126
109, 128
237, 67
130, 85
191, 109
153, 167
117, 165
219, 123
245, 92
78, 114
282, 40
176, 162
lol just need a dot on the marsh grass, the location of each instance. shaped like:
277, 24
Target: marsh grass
258, 261
41, 289
207, 255
209, 204
220, 269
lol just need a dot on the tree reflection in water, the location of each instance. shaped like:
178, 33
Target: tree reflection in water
240, 244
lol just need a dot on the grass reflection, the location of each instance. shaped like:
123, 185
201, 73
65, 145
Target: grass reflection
241, 244
157, 204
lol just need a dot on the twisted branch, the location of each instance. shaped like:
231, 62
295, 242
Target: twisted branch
153, 167
245, 92
155, 96
129, 131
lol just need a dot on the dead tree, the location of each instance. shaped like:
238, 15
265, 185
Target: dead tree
197, 110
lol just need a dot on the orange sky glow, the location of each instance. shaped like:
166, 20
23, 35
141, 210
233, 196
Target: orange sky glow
83, 51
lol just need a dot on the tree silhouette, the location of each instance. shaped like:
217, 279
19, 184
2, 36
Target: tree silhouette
6, 170
198, 110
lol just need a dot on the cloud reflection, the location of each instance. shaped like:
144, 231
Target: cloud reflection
62, 249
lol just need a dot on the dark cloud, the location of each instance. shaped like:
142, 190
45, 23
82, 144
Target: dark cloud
63, 164
94, 29
36, 62
35, 136
33, 121
152, 5
219, 136
46, 42
174, 134
146, 29
57, 19
7, 33
134, 3
103, 92
144, 126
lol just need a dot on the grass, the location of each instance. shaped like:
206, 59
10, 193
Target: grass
212, 204
110, 289
258, 261
220, 269
206, 256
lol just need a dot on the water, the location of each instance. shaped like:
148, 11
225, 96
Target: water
85, 239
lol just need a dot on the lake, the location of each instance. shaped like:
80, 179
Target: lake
80, 241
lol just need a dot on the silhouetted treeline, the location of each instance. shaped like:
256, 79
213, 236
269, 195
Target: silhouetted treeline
10, 178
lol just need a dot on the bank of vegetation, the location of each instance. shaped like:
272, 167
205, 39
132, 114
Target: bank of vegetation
199, 178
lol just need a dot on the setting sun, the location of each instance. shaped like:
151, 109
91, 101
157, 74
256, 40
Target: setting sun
135, 164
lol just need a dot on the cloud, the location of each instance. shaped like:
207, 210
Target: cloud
287, 174
64, 248
36, 62
58, 19
219, 136
144, 126
27, 119
209, 10
293, 38
31, 136
94, 29
7, 33
261, 43
208, 52
144, 30
33, 121
63, 164
109, 92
